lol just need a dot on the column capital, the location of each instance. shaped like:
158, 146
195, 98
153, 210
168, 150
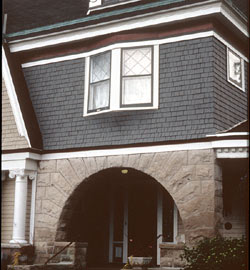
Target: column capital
22, 173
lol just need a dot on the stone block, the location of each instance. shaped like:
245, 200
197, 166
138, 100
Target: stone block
43, 179
114, 161
133, 161
47, 166
50, 208
200, 157
172, 162
145, 161
204, 172
91, 166
66, 170
54, 195
200, 221
40, 192
101, 163
186, 191
79, 167
65, 186
45, 220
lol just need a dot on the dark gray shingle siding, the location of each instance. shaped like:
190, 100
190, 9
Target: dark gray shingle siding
185, 109
230, 103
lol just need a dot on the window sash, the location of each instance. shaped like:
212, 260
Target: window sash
139, 76
93, 87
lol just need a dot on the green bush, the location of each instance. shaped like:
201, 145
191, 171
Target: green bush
217, 254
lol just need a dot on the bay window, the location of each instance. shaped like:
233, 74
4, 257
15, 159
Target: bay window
122, 79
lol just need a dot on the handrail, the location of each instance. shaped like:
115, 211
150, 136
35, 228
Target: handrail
58, 253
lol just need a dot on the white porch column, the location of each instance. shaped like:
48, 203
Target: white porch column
21, 186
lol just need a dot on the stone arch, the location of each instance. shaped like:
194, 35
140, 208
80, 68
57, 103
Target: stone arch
191, 178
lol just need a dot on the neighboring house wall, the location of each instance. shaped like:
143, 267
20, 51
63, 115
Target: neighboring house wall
7, 201
10, 136
230, 103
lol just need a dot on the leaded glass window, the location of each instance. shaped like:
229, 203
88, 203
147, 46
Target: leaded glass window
136, 86
99, 89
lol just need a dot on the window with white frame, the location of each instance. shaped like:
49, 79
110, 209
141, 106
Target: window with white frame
99, 82
235, 69
136, 82
122, 79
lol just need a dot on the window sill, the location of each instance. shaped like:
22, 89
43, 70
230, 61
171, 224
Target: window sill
121, 110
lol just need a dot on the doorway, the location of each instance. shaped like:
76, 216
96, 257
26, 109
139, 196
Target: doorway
118, 215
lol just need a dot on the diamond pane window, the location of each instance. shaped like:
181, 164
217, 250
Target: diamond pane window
136, 77
99, 82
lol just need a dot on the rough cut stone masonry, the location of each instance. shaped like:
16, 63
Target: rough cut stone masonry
192, 178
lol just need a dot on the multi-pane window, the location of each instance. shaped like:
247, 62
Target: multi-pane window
99, 88
136, 79
122, 79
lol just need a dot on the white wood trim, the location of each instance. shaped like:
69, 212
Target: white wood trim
229, 134
242, 69
155, 42
115, 81
237, 152
175, 223
32, 211
111, 224
159, 223
93, 8
13, 98
125, 228
94, 3
15, 157
154, 18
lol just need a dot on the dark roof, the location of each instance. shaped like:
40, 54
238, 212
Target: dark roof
28, 14
28, 18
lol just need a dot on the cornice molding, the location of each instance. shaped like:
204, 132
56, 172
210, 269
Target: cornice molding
151, 19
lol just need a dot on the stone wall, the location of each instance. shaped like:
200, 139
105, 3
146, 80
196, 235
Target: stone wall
191, 177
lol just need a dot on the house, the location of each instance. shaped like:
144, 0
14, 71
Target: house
125, 127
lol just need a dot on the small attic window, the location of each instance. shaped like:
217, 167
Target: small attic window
235, 69
96, 4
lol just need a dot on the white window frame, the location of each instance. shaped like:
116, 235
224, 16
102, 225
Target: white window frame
242, 69
115, 81
98, 4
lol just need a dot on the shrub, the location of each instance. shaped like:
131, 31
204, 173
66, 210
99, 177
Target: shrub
217, 254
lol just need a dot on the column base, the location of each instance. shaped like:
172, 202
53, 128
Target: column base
18, 242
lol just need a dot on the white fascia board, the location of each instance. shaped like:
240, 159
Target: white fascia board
230, 155
25, 164
20, 156
13, 98
229, 134
124, 151
134, 44
152, 19
230, 143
